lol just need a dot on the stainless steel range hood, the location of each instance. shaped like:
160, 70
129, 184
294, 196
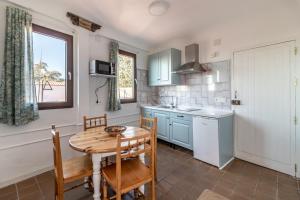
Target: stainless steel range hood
192, 64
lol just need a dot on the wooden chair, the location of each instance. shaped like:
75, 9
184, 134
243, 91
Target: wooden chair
94, 122
129, 172
70, 170
149, 123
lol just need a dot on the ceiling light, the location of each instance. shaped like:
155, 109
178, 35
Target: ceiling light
158, 8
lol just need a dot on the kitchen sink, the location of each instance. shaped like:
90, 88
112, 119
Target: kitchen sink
179, 108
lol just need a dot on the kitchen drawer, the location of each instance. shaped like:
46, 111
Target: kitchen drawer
181, 116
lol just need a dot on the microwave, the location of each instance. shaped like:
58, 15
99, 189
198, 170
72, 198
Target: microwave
102, 67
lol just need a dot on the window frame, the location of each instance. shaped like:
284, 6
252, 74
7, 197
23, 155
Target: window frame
134, 99
69, 67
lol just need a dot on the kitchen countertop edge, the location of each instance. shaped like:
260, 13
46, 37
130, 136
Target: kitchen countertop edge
213, 113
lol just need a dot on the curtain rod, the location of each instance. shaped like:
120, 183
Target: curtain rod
64, 23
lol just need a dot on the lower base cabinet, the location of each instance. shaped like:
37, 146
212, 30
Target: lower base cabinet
181, 133
173, 127
163, 124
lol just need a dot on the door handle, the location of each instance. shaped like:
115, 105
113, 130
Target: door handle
180, 116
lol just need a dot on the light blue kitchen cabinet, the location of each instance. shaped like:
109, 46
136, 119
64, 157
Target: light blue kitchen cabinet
153, 72
173, 127
147, 113
161, 66
163, 121
181, 133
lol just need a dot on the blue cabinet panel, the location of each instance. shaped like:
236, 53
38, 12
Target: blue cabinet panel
147, 113
181, 133
153, 75
173, 127
161, 66
163, 121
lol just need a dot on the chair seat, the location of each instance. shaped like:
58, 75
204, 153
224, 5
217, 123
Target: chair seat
134, 173
77, 168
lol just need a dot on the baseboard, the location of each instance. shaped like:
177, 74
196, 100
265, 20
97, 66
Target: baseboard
25, 176
228, 162
267, 163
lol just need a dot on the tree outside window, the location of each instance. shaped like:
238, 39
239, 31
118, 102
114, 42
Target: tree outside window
127, 77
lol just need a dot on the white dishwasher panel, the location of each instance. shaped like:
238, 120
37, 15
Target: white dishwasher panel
206, 140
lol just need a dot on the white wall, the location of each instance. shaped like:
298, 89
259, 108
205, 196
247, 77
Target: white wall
27, 150
241, 33
98, 46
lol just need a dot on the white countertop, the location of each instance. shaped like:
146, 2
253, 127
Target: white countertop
204, 111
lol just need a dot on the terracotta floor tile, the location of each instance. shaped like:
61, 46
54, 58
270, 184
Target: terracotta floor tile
181, 177
241, 196
23, 191
268, 189
30, 196
7, 190
26, 183
265, 196
224, 190
9, 196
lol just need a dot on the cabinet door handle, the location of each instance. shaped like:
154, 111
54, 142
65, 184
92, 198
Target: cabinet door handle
180, 116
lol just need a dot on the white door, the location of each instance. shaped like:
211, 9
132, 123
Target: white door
263, 79
297, 156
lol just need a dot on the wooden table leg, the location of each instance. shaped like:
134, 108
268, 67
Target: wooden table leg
142, 158
96, 158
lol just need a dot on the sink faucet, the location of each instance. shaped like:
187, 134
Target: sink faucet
174, 103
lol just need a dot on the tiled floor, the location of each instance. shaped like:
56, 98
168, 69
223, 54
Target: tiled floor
183, 178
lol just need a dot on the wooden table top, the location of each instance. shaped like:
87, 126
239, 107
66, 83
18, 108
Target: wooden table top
98, 141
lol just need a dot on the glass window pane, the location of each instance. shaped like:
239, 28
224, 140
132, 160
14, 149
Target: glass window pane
126, 77
49, 68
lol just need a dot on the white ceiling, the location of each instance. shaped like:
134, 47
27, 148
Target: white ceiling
183, 19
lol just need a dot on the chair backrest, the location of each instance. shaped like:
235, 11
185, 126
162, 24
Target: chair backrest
132, 148
148, 123
94, 122
58, 170
151, 124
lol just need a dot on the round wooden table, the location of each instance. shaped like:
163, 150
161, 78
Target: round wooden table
100, 144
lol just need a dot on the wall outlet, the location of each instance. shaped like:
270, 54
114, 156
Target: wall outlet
220, 100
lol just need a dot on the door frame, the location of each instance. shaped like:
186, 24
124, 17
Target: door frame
297, 136
295, 74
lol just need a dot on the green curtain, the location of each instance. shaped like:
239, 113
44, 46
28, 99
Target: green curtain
114, 103
18, 104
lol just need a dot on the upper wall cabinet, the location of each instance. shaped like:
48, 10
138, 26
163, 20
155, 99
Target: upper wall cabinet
161, 66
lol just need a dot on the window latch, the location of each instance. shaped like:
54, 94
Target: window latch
69, 76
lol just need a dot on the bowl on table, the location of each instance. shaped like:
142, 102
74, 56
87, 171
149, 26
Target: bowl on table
115, 130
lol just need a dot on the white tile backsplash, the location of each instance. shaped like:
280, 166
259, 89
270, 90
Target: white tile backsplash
201, 89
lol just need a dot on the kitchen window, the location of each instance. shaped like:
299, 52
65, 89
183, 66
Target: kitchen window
127, 77
53, 68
